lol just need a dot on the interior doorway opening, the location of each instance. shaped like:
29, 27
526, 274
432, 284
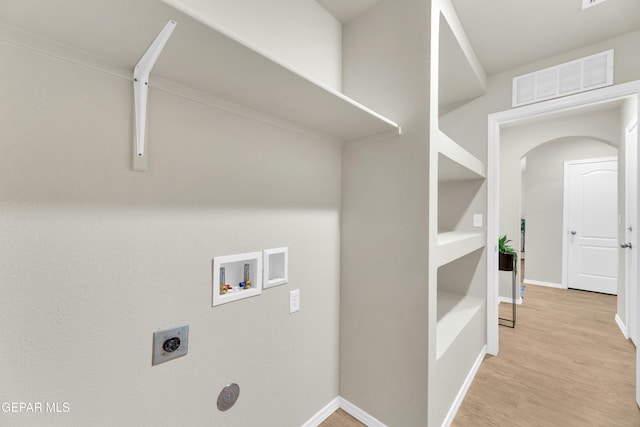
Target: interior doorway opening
501, 127
498, 125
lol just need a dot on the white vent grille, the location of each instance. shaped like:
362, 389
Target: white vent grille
572, 77
589, 3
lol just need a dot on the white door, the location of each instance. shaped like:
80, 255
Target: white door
592, 214
631, 213
631, 257
635, 303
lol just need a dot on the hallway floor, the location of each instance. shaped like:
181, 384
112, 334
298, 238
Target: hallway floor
565, 364
341, 419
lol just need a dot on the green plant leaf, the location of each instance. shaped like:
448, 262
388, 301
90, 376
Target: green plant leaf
505, 248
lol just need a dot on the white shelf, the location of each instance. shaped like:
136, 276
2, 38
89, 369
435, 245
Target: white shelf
455, 163
453, 245
199, 55
454, 313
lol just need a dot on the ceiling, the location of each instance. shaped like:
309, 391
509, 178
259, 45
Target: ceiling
346, 10
503, 33
508, 34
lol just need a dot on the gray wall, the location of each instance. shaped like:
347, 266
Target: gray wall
95, 257
298, 33
384, 294
544, 192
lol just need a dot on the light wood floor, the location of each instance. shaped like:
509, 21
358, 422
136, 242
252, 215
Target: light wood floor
341, 419
565, 364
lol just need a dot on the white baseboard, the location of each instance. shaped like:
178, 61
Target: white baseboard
371, 421
359, 414
622, 327
323, 414
509, 300
547, 284
463, 390
349, 408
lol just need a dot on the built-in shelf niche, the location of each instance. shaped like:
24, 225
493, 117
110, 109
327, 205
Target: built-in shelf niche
461, 294
455, 162
459, 197
461, 177
230, 277
460, 76
461, 191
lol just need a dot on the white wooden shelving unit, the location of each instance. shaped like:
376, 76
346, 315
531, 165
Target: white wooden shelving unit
457, 171
457, 291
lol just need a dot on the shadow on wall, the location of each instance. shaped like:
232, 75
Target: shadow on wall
80, 154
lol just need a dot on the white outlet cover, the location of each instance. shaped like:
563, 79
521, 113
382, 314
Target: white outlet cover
294, 301
477, 220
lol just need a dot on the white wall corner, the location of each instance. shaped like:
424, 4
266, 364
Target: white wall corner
323, 413
359, 414
622, 326
349, 408
465, 387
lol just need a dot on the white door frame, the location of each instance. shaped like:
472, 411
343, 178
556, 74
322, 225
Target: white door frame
495, 120
565, 214
630, 314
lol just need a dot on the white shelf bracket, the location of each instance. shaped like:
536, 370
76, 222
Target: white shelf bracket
141, 87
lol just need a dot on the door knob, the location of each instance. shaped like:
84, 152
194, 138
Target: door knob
573, 232
626, 245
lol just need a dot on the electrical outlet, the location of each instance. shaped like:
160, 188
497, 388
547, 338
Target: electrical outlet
169, 344
477, 220
294, 301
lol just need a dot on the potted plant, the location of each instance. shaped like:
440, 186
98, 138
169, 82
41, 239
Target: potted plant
508, 260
